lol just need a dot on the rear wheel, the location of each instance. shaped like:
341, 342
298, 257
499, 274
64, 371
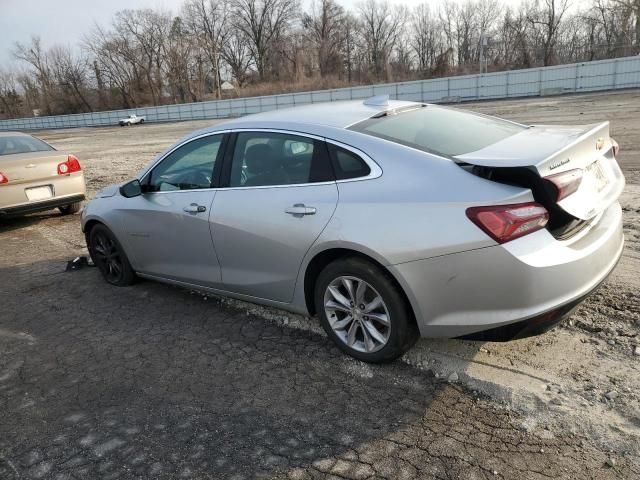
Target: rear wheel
71, 208
363, 311
142, 121
109, 257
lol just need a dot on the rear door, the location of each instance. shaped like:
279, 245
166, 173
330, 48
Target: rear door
280, 194
166, 228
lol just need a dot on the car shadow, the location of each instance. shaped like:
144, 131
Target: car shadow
9, 223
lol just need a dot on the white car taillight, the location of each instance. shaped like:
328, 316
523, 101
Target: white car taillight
3, 178
504, 223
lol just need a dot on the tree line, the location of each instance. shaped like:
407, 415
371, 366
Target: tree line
153, 57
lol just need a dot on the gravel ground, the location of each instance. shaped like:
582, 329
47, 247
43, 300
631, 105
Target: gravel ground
154, 381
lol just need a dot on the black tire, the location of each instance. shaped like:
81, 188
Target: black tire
108, 255
141, 121
70, 209
402, 330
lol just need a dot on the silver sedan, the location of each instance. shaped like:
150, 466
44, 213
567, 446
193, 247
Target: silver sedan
388, 220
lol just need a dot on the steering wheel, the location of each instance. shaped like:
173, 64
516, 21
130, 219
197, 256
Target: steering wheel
197, 179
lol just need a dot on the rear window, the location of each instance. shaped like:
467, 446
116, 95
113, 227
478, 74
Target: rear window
444, 131
22, 144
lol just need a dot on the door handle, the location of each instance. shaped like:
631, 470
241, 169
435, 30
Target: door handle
300, 209
195, 208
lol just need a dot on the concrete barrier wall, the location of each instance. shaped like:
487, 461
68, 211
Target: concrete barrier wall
600, 75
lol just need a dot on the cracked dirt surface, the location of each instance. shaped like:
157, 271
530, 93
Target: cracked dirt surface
152, 381
158, 382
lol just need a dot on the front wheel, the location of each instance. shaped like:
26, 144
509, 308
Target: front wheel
363, 311
141, 121
109, 257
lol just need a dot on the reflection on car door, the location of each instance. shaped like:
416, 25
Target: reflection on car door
280, 196
167, 227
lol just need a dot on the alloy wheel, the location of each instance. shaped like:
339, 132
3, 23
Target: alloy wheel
357, 314
107, 257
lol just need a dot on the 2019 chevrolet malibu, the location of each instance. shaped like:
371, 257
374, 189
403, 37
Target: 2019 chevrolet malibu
387, 219
35, 177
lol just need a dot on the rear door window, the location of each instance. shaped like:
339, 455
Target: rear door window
270, 158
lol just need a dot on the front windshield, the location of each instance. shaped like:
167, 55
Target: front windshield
444, 131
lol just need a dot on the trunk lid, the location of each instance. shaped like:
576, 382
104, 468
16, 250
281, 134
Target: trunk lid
547, 150
31, 167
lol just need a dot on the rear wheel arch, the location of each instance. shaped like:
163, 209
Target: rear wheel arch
324, 258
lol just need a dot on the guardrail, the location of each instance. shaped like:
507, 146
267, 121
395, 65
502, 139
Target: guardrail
599, 75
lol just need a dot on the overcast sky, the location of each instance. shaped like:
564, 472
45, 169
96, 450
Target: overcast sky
64, 22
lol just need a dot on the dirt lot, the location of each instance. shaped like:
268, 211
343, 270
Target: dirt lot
157, 382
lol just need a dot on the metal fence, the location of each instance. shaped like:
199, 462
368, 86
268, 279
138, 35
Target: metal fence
599, 75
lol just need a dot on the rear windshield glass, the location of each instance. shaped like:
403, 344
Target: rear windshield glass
444, 131
19, 144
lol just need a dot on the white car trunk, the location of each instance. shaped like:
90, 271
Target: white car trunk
548, 150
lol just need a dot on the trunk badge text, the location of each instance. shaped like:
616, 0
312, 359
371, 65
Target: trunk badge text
553, 166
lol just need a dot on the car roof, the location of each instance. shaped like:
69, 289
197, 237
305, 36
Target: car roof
14, 134
340, 114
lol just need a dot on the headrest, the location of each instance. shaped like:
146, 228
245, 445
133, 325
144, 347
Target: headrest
260, 158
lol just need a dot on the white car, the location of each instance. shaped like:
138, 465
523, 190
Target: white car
131, 120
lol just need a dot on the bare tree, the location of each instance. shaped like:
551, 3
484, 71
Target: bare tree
545, 17
425, 37
208, 21
10, 100
515, 39
237, 55
381, 24
178, 51
632, 6
119, 71
348, 44
36, 57
70, 73
323, 26
143, 33
261, 22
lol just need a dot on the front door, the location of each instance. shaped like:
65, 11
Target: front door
280, 195
167, 228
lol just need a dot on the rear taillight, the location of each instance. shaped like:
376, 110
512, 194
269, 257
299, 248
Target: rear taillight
504, 223
71, 165
566, 182
3, 178
615, 147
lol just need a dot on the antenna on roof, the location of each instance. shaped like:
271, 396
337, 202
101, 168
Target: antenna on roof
377, 101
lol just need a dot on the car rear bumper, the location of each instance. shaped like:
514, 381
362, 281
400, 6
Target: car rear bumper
41, 206
513, 290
